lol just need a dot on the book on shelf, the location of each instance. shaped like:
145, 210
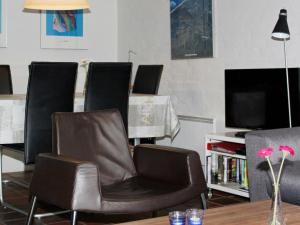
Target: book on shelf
220, 168
227, 147
208, 169
214, 169
225, 169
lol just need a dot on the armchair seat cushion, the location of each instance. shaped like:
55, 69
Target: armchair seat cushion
139, 194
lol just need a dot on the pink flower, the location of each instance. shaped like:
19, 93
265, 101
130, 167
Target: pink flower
287, 149
265, 152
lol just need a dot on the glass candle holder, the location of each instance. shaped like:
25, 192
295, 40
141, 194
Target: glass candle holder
194, 216
177, 218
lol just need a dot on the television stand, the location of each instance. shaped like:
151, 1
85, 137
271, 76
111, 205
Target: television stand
241, 134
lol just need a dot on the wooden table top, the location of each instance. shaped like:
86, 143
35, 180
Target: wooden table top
239, 214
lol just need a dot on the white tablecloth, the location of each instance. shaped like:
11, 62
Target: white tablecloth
148, 116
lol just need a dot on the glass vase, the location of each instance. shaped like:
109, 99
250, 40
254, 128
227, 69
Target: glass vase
276, 216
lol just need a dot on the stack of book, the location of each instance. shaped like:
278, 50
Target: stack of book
224, 169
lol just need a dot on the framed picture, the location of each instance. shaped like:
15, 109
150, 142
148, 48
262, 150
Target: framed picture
64, 29
3, 25
191, 29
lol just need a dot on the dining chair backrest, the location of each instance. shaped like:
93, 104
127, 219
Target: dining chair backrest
108, 87
5, 80
147, 79
51, 88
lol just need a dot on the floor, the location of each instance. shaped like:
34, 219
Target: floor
18, 196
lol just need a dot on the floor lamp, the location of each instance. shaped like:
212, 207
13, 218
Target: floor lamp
56, 4
281, 33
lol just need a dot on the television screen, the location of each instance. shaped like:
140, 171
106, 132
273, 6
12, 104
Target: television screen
257, 98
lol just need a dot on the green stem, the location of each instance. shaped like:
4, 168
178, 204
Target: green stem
272, 171
280, 170
275, 190
276, 187
275, 205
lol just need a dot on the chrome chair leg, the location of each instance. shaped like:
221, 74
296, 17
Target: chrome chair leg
31, 212
74, 218
42, 215
154, 214
4, 204
203, 200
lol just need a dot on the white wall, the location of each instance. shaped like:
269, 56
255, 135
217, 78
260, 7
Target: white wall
24, 41
242, 40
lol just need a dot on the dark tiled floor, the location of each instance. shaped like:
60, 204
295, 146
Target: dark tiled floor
18, 196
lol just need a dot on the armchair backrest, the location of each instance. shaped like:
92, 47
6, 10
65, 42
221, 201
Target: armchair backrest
108, 87
97, 137
51, 87
257, 167
147, 79
5, 80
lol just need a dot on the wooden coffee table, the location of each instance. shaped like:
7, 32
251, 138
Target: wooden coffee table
239, 214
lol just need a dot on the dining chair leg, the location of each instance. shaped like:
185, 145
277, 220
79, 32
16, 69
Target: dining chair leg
203, 200
74, 218
32, 211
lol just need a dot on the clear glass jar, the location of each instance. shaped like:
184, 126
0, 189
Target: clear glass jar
177, 218
194, 216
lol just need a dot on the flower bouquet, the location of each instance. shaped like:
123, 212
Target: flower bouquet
276, 216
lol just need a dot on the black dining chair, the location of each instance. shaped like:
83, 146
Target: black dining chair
108, 87
5, 80
147, 79
50, 89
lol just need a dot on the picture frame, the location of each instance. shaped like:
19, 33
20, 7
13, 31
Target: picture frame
64, 29
3, 24
191, 29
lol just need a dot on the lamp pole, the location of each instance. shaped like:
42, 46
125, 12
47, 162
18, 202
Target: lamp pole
287, 84
281, 33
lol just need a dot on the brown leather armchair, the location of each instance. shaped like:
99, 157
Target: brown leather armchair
91, 169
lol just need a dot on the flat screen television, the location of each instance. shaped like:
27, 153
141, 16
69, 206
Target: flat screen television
257, 98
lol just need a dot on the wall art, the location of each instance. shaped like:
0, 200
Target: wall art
64, 29
191, 29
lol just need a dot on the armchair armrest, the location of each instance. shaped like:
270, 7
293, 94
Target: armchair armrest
170, 164
61, 181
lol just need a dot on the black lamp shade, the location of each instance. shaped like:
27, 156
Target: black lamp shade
281, 30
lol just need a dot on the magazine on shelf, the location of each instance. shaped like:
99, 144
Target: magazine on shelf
227, 147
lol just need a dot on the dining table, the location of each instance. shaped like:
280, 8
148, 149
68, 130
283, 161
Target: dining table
148, 116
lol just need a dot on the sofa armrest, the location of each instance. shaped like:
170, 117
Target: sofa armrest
66, 182
258, 167
169, 164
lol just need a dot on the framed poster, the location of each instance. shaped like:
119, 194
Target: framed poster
191, 29
3, 25
64, 29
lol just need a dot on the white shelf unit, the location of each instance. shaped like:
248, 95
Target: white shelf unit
229, 187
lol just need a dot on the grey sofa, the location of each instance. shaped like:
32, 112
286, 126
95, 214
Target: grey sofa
258, 170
